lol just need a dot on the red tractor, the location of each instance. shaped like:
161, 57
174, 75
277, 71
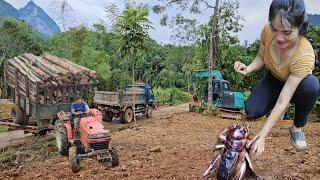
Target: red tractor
84, 137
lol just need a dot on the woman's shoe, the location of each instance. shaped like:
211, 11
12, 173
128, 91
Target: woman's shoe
298, 140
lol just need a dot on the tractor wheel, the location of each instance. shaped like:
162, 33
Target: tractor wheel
127, 116
108, 116
62, 138
17, 115
114, 156
149, 112
75, 162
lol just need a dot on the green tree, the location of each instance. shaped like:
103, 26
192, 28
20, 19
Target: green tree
17, 37
131, 30
85, 47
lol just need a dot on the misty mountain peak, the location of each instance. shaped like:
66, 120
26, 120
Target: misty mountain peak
33, 15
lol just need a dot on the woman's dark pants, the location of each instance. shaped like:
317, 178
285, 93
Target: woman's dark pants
265, 94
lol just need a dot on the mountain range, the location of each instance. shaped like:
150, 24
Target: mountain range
33, 15
314, 19
41, 21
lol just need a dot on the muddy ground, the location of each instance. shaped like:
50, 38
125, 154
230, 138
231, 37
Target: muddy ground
172, 147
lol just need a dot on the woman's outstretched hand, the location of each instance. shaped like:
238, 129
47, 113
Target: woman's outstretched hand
257, 145
240, 68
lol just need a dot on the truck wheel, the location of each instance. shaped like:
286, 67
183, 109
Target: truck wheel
114, 156
127, 116
62, 138
149, 112
17, 114
108, 116
75, 162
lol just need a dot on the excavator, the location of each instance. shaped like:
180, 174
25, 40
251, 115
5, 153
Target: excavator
230, 104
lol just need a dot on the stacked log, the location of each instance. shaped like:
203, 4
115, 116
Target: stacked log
48, 79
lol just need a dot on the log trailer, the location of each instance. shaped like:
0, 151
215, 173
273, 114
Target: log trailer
40, 87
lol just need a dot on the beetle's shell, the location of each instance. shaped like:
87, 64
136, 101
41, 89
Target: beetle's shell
236, 133
234, 161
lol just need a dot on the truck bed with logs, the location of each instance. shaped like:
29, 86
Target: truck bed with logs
42, 86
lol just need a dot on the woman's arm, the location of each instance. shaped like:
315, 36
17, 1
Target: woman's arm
284, 98
255, 65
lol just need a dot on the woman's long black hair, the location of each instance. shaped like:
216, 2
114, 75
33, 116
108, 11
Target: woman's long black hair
292, 10
295, 12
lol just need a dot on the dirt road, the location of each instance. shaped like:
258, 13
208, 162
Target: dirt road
157, 114
178, 147
14, 138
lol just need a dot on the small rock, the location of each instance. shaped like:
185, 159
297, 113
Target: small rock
155, 149
38, 175
135, 162
124, 168
286, 149
22, 166
125, 174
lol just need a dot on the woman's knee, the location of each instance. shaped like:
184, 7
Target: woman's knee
309, 86
254, 112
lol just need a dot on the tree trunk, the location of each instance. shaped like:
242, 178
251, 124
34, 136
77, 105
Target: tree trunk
213, 51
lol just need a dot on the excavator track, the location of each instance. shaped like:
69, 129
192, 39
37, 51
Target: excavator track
223, 113
232, 114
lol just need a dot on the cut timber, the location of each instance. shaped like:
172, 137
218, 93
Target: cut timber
22, 71
38, 71
55, 59
57, 69
64, 63
37, 62
46, 81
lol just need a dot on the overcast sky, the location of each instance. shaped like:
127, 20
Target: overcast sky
255, 13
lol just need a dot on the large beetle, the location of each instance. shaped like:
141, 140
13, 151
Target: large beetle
233, 162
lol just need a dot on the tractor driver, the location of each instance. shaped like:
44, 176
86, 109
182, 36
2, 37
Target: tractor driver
79, 106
